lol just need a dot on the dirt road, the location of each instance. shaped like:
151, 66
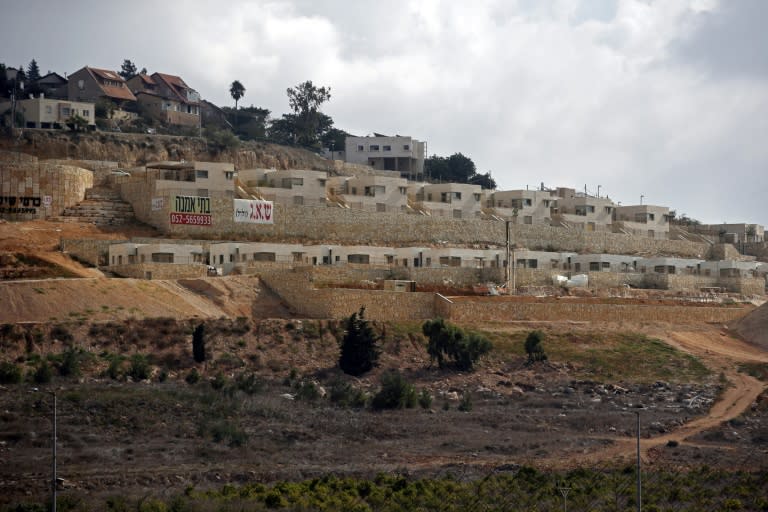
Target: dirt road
721, 353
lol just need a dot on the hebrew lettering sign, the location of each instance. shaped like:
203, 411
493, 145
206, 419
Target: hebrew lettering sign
191, 210
19, 204
253, 211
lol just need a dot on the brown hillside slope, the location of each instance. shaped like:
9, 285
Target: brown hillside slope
117, 299
754, 327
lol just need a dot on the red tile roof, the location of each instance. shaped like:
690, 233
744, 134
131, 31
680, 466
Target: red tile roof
146, 79
120, 92
175, 84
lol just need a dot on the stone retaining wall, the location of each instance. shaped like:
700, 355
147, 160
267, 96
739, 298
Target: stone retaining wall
161, 270
307, 223
24, 187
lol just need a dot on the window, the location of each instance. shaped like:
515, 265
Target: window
229, 175
201, 174
527, 202
162, 257
373, 147
360, 147
608, 209
48, 109
65, 111
406, 147
86, 113
387, 148
651, 216
594, 266
403, 190
476, 196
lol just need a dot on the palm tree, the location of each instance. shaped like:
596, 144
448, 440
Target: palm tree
237, 90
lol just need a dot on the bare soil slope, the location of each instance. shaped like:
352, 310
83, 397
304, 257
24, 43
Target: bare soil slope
754, 327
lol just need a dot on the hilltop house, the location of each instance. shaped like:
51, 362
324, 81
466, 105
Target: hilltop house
456, 200
372, 192
168, 98
51, 113
93, 84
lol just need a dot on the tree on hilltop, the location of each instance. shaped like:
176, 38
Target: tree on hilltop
127, 70
33, 71
305, 100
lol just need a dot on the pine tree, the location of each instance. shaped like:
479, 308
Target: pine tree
359, 352
33, 71
198, 343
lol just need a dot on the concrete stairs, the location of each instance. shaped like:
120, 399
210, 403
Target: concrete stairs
101, 206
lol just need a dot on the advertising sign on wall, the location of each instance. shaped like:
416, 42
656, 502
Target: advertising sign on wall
191, 210
254, 211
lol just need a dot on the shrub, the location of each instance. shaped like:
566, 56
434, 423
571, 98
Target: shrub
344, 394
249, 384
359, 352
70, 363
139, 369
395, 393
43, 373
307, 391
448, 344
219, 381
465, 405
533, 347
192, 377
114, 371
425, 399
10, 373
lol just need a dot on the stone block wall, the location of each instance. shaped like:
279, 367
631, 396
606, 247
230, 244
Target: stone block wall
485, 311
93, 252
344, 226
25, 185
161, 271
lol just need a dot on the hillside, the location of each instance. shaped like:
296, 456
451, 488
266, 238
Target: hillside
131, 149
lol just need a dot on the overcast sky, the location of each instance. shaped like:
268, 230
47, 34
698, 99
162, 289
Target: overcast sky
667, 99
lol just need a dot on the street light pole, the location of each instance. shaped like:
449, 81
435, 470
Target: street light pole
508, 259
639, 481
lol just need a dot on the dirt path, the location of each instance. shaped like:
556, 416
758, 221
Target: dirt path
721, 353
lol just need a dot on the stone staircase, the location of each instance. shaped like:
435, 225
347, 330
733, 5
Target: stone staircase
101, 206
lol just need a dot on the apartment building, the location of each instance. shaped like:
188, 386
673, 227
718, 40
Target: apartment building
202, 179
583, 211
524, 206
372, 192
404, 155
642, 220
288, 187
455, 200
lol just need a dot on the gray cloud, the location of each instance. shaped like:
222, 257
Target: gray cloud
665, 99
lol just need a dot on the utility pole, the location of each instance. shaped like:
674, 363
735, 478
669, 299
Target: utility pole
508, 258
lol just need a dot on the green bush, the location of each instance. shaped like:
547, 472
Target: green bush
193, 377
70, 363
307, 391
448, 344
533, 347
219, 381
425, 399
10, 373
139, 369
43, 373
395, 393
344, 394
249, 384
465, 405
